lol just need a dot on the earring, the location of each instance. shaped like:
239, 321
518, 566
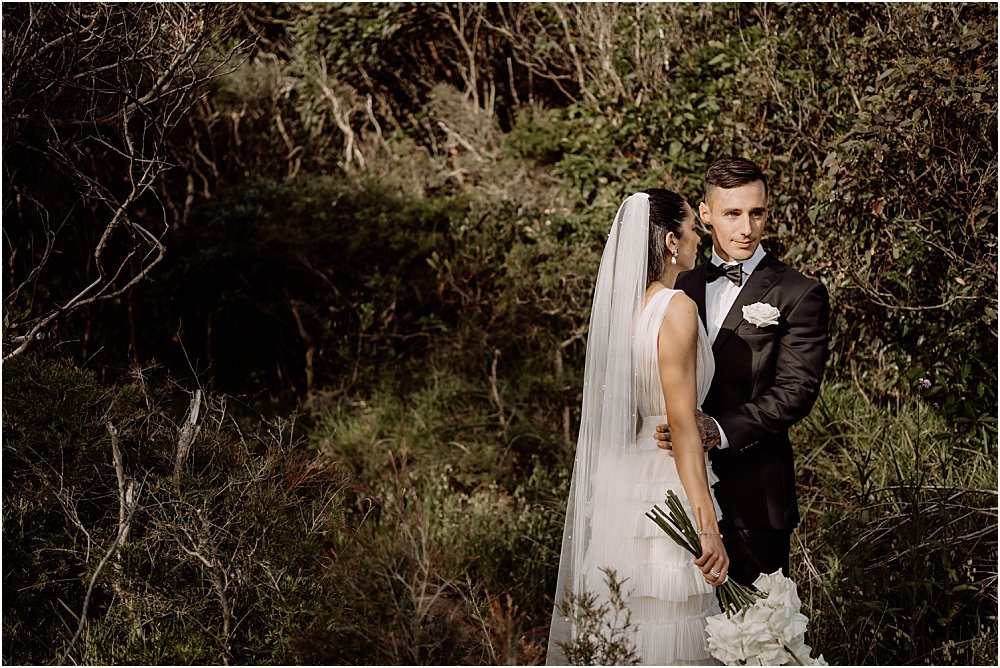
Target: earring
673, 259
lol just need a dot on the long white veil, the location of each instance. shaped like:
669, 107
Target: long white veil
609, 417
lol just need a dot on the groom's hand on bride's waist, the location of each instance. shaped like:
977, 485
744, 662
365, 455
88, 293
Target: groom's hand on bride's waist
708, 429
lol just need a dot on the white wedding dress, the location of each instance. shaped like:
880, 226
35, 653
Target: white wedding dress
619, 474
667, 595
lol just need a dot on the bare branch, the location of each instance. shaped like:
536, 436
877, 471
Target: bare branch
186, 435
104, 94
123, 531
123, 495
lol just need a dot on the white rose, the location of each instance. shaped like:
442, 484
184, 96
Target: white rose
773, 655
761, 314
766, 581
803, 653
781, 591
789, 626
724, 640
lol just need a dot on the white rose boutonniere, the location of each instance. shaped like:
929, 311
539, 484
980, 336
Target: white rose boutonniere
761, 314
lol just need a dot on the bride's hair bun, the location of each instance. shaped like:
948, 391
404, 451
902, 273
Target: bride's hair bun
667, 211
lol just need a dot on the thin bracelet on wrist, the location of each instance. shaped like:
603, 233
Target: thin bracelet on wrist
708, 533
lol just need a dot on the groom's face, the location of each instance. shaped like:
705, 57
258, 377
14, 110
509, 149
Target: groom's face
736, 217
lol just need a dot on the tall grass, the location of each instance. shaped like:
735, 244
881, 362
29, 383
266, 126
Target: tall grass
443, 482
415, 528
897, 552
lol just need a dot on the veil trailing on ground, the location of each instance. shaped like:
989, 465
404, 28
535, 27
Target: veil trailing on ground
609, 417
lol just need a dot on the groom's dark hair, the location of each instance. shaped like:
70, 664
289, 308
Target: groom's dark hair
667, 211
733, 172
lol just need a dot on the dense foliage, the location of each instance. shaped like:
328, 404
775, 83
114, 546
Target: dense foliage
364, 237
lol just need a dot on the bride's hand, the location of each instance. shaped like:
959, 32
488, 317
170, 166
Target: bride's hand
713, 562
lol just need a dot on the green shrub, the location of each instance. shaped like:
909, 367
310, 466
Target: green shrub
225, 562
603, 627
355, 292
435, 458
898, 542
353, 235
56, 479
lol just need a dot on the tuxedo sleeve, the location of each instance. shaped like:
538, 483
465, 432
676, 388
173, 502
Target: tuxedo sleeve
799, 364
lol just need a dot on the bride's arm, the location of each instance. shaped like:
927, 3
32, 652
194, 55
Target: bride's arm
677, 349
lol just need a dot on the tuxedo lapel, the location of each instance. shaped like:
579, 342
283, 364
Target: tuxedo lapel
763, 277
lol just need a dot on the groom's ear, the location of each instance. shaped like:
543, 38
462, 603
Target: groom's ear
705, 214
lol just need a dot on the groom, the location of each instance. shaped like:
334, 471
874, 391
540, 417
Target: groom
768, 328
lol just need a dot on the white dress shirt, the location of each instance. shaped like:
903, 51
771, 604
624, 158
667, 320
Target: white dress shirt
720, 295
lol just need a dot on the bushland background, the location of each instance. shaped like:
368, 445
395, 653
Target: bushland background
295, 301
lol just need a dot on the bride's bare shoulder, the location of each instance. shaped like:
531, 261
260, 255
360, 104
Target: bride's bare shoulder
681, 306
681, 314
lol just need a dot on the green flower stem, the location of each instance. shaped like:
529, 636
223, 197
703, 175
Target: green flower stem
797, 660
660, 519
680, 519
733, 597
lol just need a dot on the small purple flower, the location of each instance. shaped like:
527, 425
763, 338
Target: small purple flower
924, 384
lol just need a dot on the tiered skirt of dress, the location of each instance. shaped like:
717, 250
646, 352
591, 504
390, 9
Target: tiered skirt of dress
667, 595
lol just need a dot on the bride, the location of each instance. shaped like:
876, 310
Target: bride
648, 357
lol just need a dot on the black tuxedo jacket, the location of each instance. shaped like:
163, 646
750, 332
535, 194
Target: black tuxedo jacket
766, 380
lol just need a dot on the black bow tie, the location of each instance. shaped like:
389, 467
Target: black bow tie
733, 272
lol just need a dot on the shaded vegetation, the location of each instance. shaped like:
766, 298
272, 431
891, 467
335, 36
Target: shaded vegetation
344, 400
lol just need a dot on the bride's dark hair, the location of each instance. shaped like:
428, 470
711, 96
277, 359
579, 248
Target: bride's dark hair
667, 211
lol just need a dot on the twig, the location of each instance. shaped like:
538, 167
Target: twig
186, 435
495, 390
123, 500
461, 140
93, 581
581, 82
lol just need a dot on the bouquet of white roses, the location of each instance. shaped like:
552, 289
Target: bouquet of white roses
758, 626
768, 632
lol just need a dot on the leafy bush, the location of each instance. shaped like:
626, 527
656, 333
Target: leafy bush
492, 512
604, 627
355, 290
399, 235
898, 544
224, 560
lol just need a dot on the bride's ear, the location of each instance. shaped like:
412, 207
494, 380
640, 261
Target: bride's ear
669, 239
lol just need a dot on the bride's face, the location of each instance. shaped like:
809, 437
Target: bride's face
687, 245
